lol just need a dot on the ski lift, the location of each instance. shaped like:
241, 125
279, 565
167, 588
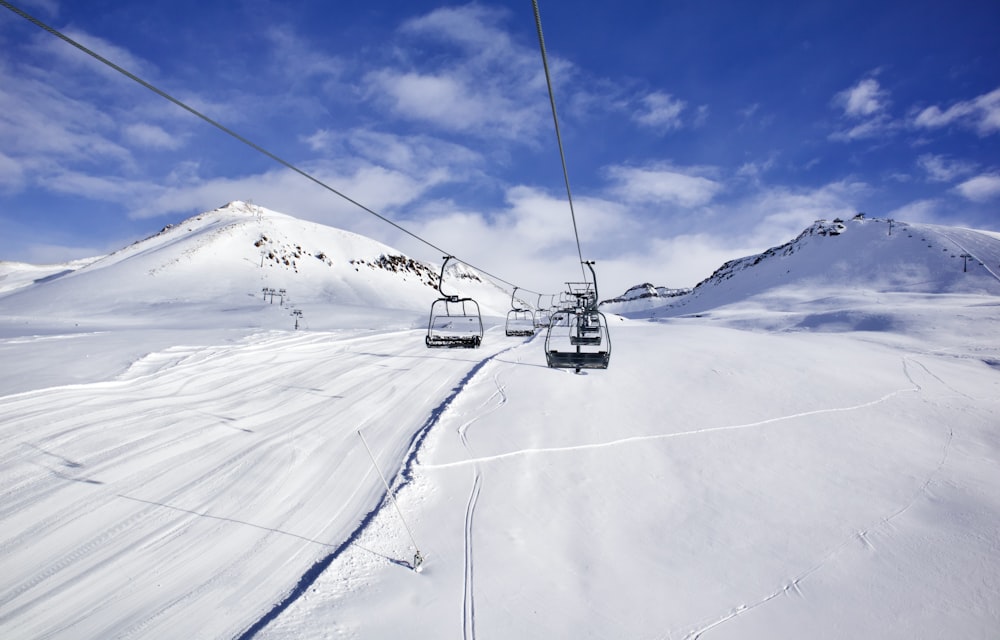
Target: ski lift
520, 320
454, 322
543, 316
578, 336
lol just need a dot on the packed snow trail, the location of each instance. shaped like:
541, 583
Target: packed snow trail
185, 498
400, 482
708, 471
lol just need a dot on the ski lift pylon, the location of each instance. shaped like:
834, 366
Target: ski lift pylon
454, 322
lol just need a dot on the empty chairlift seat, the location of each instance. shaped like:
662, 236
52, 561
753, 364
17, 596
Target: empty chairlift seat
520, 320
454, 322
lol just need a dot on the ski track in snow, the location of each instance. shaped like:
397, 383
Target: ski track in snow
665, 436
792, 586
498, 400
400, 481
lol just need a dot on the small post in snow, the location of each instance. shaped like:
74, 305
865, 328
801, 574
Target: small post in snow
891, 221
965, 262
418, 559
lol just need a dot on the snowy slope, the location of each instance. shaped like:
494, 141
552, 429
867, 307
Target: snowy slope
816, 457
845, 256
229, 256
641, 297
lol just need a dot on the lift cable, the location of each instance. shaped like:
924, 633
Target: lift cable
555, 119
242, 139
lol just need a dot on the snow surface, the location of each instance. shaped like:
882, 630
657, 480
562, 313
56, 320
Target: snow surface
801, 450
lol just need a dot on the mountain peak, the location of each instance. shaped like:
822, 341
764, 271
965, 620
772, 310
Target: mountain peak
862, 253
227, 256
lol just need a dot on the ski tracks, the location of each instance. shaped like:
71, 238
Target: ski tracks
792, 586
492, 404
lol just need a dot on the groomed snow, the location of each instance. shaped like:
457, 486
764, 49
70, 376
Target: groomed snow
819, 463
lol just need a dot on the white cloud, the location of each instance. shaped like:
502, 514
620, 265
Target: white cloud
440, 99
151, 136
981, 188
687, 259
660, 111
48, 253
70, 57
865, 105
42, 125
870, 128
943, 169
917, 211
472, 26
863, 100
663, 183
452, 101
414, 154
981, 114
492, 88
288, 51
783, 212
755, 170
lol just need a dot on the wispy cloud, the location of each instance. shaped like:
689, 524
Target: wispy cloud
981, 114
660, 111
788, 210
865, 107
492, 89
413, 154
982, 188
68, 57
918, 211
944, 169
151, 136
40, 126
685, 187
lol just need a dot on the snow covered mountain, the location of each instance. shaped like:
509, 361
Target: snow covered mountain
225, 260
835, 258
805, 446
641, 297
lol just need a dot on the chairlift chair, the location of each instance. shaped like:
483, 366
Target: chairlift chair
578, 337
543, 315
520, 320
587, 328
454, 322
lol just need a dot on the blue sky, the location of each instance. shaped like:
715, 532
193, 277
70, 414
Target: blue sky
695, 132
